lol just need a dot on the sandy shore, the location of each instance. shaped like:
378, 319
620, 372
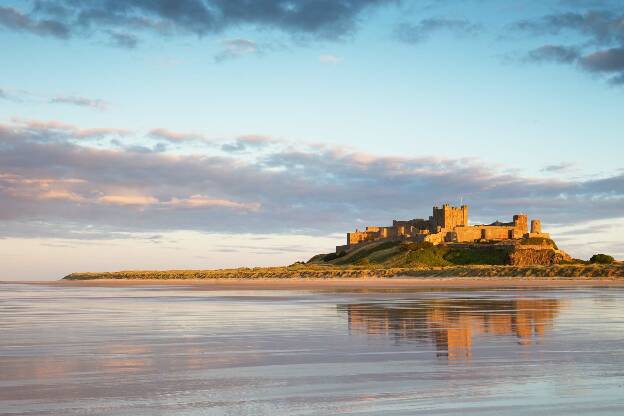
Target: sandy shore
350, 284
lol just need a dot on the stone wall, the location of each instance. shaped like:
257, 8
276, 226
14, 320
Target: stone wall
357, 237
467, 234
493, 232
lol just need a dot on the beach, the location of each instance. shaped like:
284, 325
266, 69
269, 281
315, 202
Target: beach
397, 283
310, 347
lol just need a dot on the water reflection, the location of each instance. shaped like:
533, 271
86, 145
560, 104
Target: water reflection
454, 325
167, 351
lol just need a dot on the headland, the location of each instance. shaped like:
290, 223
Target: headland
444, 246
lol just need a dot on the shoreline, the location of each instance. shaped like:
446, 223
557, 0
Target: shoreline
308, 272
395, 283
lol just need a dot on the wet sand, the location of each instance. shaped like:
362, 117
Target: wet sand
367, 348
352, 284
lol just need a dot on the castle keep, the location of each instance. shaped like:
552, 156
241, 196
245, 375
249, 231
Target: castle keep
447, 225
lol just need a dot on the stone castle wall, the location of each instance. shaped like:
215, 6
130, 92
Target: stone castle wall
467, 233
448, 224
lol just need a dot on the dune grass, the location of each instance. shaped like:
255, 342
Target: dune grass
589, 271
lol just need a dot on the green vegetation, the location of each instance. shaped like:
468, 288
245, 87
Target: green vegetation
418, 246
356, 256
333, 256
325, 271
426, 255
478, 256
412, 254
601, 259
574, 261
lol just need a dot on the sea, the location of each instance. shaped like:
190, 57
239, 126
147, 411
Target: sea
187, 350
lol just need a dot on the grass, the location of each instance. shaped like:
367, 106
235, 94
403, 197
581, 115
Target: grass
334, 256
411, 254
432, 256
358, 255
313, 271
492, 256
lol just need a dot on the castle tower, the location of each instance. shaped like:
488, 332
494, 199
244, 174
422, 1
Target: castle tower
536, 226
521, 223
449, 217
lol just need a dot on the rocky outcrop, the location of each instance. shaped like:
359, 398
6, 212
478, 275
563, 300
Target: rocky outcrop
536, 256
544, 257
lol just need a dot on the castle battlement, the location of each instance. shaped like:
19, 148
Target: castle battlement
447, 224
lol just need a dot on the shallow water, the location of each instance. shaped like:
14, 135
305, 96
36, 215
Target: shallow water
183, 351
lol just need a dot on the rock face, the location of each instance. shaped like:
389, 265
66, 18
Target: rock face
536, 256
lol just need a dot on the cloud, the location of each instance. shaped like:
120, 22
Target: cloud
51, 129
610, 60
51, 184
559, 167
138, 148
553, 53
175, 136
80, 102
15, 20
416, 33
24, 96
61, 194
248, 142
617, 80
235, 48
63, 18
123, 40
200, 201
603, 51
128, 200
330, 59
601, 26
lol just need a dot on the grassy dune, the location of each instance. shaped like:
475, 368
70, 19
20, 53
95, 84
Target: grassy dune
328, 272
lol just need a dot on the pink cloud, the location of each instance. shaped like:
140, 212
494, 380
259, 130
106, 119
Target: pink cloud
175, 136
128, 200
61, 194
197, 201
75, 131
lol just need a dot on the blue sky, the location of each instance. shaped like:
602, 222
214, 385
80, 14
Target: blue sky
298, 120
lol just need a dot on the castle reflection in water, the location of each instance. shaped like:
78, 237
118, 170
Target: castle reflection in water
453, 325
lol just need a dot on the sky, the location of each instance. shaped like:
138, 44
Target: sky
165, 134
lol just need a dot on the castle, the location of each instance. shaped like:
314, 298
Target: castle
447, 225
